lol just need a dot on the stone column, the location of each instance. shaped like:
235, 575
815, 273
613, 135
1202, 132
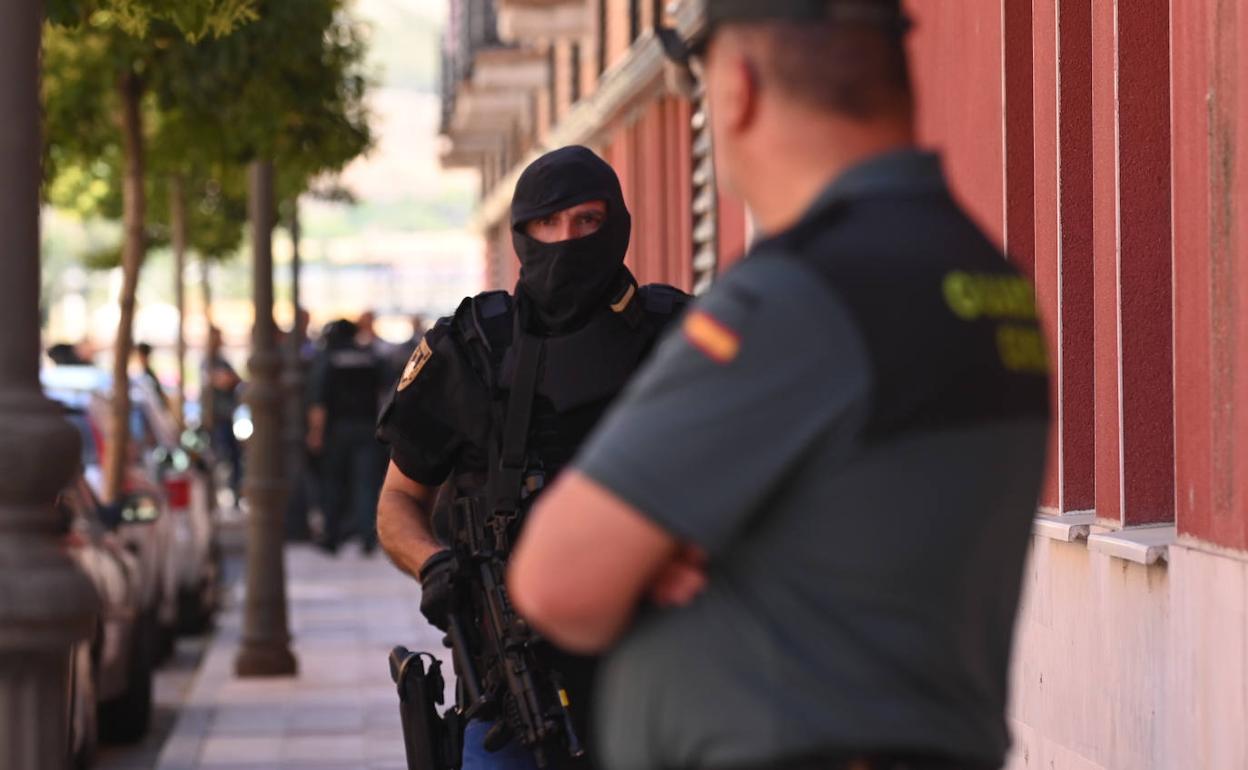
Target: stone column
46, 603
265, 647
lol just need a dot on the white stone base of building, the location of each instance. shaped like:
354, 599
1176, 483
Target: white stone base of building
1119, 666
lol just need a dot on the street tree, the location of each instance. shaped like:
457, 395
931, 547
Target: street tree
193, 108
98, 58
284, 93
288, 88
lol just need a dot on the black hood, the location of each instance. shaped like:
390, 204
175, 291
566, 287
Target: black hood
567, 281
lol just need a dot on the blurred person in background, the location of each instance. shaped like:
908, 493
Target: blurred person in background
307, 345
219, 398
143, 357
346, 378
304, 487
65, 354
801, 532
366, 336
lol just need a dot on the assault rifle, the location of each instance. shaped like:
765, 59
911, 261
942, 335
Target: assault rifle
524, 699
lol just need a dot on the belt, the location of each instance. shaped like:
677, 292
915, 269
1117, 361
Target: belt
858, 761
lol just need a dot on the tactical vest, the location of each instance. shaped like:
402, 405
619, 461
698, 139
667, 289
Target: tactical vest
353, 382
580, 373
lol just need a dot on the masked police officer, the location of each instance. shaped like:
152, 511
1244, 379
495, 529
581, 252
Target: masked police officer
801, 530
588, 327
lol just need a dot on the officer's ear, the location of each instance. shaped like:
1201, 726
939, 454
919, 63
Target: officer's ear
732, 81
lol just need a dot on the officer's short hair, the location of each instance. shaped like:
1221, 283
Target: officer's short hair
857, 70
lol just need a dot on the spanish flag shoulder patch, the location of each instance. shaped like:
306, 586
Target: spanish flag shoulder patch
708, 334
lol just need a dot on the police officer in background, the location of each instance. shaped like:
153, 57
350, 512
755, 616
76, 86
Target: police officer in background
801, 530
344, 387
589, 325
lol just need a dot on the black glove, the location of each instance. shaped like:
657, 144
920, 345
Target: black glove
435, 588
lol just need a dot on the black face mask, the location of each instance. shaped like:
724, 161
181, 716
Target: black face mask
566, 282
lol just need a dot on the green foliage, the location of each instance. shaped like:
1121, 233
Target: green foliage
216, 210
288, 85
193, 18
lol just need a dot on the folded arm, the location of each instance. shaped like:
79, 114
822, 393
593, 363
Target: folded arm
584, 562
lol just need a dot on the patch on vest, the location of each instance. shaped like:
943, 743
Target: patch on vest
416, 363
709, 335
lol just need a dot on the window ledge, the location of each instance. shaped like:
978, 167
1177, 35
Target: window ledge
1142, 545
1066, 528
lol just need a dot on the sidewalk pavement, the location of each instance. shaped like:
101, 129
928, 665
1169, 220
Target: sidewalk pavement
341, 712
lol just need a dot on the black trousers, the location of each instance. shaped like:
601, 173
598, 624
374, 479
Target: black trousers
353, 469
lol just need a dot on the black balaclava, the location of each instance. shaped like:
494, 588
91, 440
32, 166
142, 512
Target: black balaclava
567, 281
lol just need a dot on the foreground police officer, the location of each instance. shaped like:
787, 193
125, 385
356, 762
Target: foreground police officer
826, 479
581, 311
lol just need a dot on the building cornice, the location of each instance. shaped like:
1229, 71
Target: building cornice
632, 82
531, 22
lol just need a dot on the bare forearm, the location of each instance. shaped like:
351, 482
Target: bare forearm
404, 531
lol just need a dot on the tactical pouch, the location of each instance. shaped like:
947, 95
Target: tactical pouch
432, 742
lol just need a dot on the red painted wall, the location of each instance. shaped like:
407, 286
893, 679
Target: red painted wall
1062, 204
1210, 180
652, 157
1132, 275
1052, 116
957, 65
1236, 530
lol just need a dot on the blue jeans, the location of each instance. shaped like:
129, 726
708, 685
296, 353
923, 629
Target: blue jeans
513, 756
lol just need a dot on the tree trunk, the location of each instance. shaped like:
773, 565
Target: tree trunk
46, 603
177, 223
130, 89
207, 413
265, 649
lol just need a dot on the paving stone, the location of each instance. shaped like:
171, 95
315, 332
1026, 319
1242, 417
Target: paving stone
341, 711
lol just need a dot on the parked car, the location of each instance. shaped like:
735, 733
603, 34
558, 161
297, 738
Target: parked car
151, 542
111, 672
183, 546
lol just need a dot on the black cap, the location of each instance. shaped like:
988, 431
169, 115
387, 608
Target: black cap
887, 14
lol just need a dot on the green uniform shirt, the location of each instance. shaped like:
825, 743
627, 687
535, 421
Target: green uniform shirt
852, 423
